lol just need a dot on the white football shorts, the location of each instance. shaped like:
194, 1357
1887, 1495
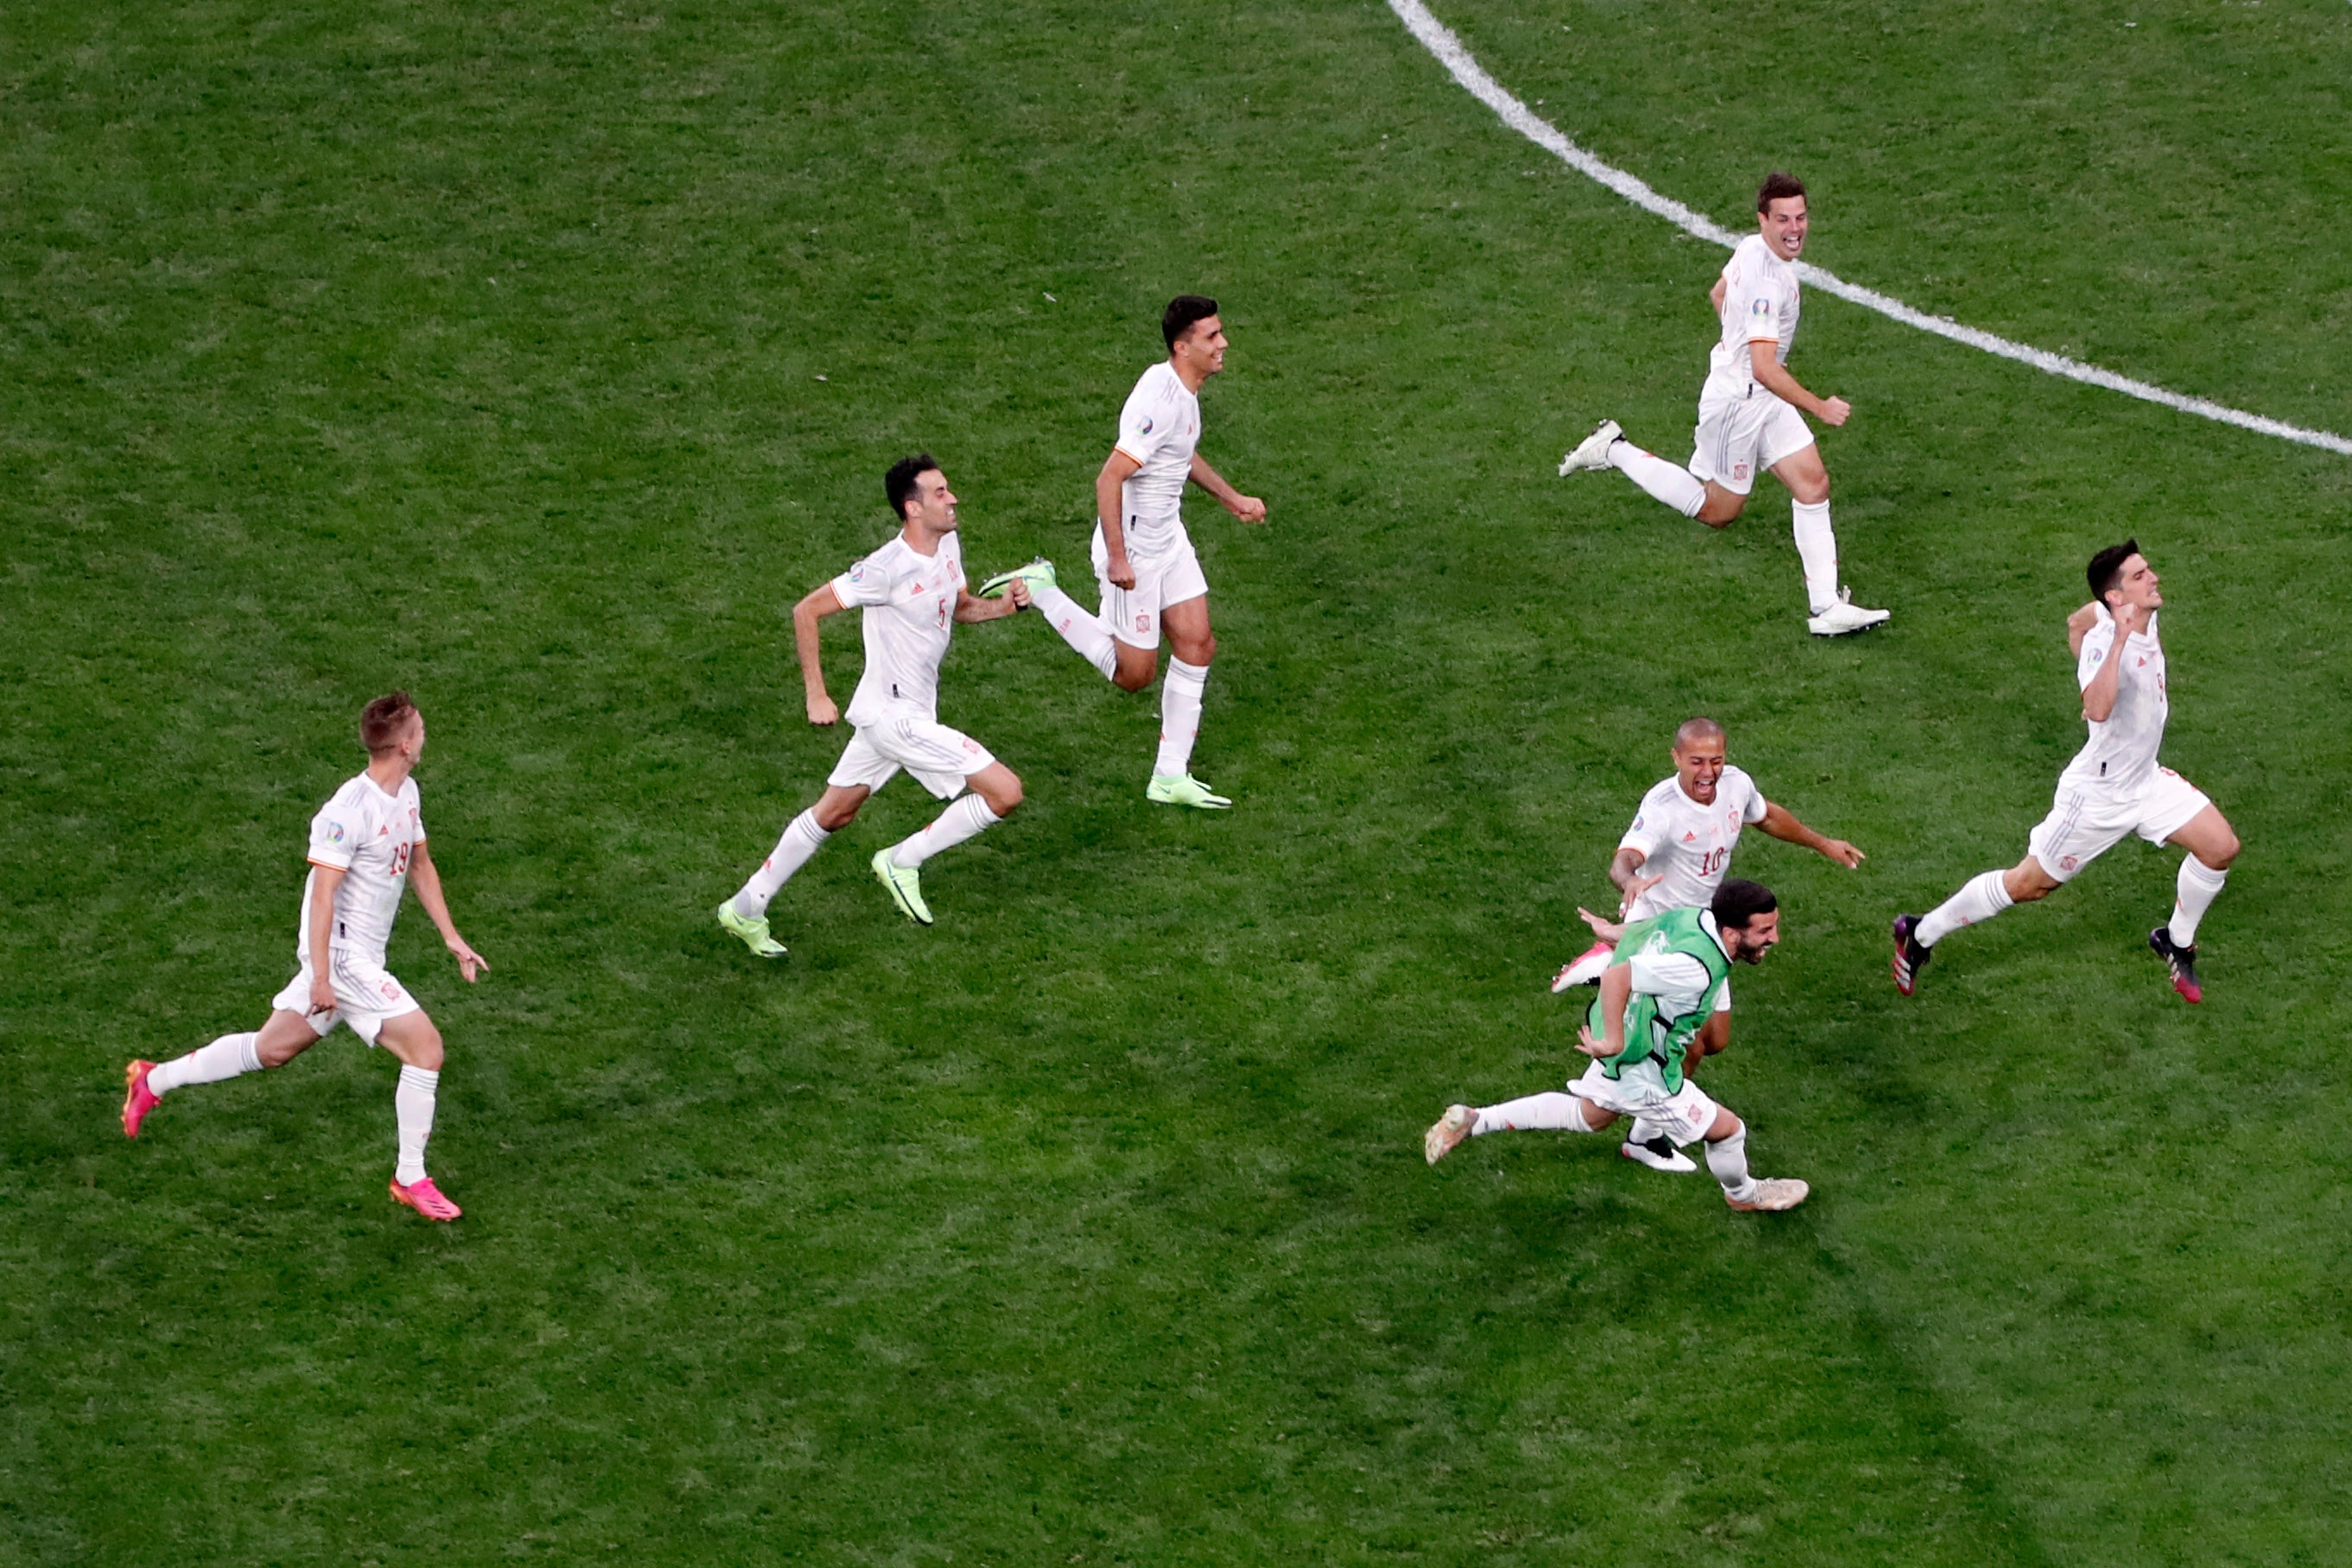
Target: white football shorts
1165, 577
938, 758
1683, 1116
365, 995
1741, 434
2085, 824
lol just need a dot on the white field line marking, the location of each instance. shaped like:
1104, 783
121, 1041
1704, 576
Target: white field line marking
1439, 41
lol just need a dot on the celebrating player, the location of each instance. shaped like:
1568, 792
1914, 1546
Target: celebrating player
1747, 412
366, 845
1658, 990
1674, 857
910, 592
1143, 558
2113, 786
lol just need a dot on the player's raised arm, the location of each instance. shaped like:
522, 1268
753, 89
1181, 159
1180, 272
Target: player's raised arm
1784, 824
1774, 377
2078, 626
821, 602
2099, 691
426, 877
1249, 509
971, 608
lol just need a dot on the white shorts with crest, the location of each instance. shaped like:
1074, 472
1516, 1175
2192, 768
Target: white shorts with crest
366, 994
1640, 1090
2085, 824
1166, 576
938, 758
1742, 435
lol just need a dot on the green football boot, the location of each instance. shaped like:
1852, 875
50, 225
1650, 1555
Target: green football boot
905, 888
753, 933
1039, 573
1184, 789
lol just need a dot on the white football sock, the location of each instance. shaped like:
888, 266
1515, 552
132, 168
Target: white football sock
958, 822
1817, 548
1552, 1112
2194, 889
225, 1058
1669, 482
411, 1103
1980, 899
802, 837
1727, 1162
1179, 716
1082, 629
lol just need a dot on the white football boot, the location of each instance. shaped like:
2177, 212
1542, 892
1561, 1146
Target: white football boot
1844, 616
1592, 452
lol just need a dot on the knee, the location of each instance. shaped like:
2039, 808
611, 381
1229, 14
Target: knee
833, 819
1198, 653
1006, 795
424, 1048
1812, 491
1720, 511
277, 1054
2219, 854
1133, 677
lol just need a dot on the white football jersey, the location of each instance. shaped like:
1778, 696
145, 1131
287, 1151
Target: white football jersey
370, 836
910, 603
2120, 756
1688, 844
1159, 428
1760, 305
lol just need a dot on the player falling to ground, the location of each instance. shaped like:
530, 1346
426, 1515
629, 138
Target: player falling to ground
1674, 856
2113, 786
1151, 578
911, 593
366, 845
1659, 988
1747, 412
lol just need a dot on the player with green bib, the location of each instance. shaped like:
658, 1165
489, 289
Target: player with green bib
1658, 990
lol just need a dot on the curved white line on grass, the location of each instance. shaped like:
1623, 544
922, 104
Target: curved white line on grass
1439, 41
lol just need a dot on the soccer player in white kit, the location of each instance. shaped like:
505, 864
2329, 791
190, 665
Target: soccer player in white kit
911, 592
367, 844
2113, 787
1151, 578
1748, 421
1653, 1000
1674, 856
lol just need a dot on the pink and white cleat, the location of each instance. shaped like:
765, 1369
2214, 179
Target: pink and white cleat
426, 1199
1585, 967
138, 1100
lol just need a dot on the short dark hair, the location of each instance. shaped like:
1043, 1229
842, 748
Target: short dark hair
1695, 729
2108, 567
1182, 313
898, 484
383, 721
1739, 900
1778, 186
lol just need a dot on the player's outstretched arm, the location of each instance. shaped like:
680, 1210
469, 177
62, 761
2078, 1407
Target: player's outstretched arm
971, 608
821, 603
1249, 509
2099, 692
1784, 824
1616, 990
1764, 355
426, 877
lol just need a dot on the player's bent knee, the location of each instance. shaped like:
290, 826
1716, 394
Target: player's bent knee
1725, 1126
1134, 677
1002, 794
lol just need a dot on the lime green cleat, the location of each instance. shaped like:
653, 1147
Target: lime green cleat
1039, 573
906, 887
753, 933
1184, 789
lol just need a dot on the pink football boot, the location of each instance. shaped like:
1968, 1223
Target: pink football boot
137, 1102
426, 1199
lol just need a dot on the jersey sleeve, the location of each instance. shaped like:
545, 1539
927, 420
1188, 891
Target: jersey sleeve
1146, 423
416, 811
866, 584
334, 835
1753, 812
1759, 298
2096, 644
1667, 973
1648, 827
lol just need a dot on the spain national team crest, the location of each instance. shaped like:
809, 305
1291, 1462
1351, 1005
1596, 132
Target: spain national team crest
2068, 862
1739, 472
1144, 623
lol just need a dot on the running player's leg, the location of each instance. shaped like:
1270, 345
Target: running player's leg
286, 1035
2212, 845
1192, 645
1551, 1111
1979, 898
804, 836
1091, 634
1727, 1162
411, 1038
1669, 482
995, 792
1792, 457
944, 761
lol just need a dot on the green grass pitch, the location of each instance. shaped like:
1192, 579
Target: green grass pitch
536, 356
